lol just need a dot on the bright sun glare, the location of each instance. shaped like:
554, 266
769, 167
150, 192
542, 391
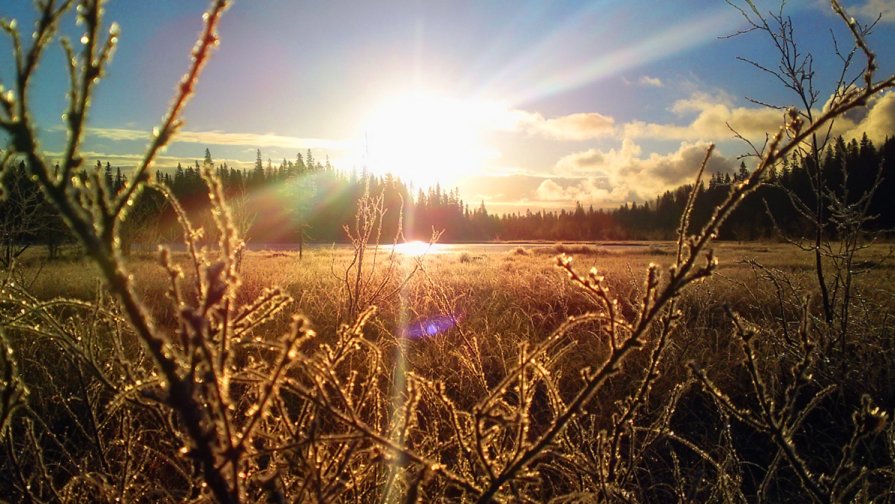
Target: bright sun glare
425, 138
415, 248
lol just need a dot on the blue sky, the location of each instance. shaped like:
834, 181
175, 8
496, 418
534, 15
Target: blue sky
518, 103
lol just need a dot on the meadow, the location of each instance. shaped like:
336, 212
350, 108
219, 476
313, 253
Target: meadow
450, 328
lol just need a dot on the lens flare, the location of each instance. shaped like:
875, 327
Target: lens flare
430, 326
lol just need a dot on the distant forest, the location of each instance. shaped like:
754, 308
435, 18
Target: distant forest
308, 199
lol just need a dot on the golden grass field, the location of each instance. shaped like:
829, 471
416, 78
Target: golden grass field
475, 281
458, 324
507, 296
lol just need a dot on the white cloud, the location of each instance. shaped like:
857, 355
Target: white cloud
579, 126
650, 81
580, 162
866, 11
590, 191
593, 161
625, 172
550, 191
877, 120
715, 120
872, 8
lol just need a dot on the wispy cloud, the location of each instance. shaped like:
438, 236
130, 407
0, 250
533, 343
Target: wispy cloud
127, 161
211, 138
650, 81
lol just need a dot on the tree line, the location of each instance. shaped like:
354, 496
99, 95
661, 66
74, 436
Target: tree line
307, 199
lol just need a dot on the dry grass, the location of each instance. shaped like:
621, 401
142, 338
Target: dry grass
500, 303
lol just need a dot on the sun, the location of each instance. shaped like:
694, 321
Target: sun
424, 137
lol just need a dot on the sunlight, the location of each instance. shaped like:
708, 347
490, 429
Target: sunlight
415, 248
656, 45
424, 138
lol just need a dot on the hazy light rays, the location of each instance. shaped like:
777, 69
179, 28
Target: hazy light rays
398, 414
399, 389
286, 206
276, 203
539, 56
696, 30
419, 36
505, 41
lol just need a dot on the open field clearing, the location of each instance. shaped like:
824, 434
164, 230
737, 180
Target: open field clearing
485, 270
451, 327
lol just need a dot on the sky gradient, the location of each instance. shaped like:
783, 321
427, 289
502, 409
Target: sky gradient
520, 104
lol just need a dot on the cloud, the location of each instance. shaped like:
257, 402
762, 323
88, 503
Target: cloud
590, 191
877, 120
593, 161
625, 172
580, 162
127, 161
607, 177
550, 191
715, 120
675, 168
649, 81
256, 140
873, 8
579, 126
119, 134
